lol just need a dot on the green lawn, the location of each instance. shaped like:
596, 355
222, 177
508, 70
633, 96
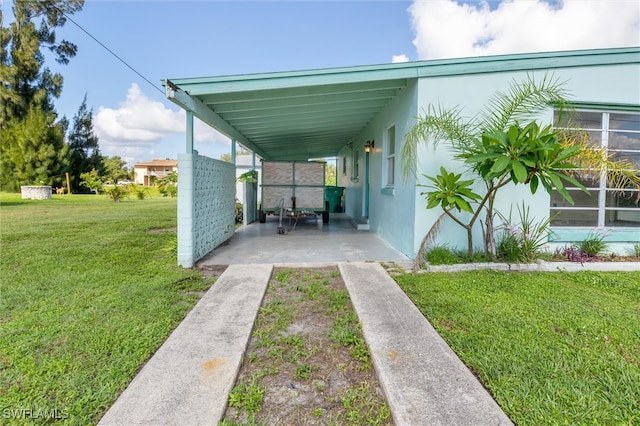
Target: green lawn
88, 292
552, 348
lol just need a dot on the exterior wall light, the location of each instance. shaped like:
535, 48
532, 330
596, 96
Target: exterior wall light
369, 145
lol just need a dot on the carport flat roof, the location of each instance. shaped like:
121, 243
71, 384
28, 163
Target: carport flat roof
300, 115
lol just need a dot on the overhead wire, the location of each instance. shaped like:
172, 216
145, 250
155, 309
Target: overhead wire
114, 54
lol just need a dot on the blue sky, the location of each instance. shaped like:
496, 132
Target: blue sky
175, 39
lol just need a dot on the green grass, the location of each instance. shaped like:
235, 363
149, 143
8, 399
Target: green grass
88, 292
552, 348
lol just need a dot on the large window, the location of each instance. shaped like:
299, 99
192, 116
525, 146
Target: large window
604, 206
390, 156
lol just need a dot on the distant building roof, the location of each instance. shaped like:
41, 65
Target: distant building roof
158, 162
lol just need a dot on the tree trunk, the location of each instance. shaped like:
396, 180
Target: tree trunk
489, 238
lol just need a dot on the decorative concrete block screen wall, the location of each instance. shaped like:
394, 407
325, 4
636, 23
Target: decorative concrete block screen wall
206, 206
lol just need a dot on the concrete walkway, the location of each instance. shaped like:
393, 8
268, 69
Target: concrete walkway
188, 380
424, 381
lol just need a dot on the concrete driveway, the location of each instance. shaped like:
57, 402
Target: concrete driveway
307, 241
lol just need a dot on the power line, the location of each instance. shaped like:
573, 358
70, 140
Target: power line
114, 54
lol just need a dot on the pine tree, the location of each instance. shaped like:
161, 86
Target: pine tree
83, 143
27, 90
36, 149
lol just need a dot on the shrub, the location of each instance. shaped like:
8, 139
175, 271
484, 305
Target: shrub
573, 254
140, 192
117, 193
239, 213
594, 244
442, 255
522, 242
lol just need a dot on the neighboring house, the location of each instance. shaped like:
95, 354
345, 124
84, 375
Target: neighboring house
147, 172
334, 112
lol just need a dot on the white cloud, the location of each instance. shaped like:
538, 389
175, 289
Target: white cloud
448, 29
138, 119
141, 129
399, 58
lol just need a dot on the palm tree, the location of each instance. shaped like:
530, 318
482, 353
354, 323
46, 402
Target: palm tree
498, 149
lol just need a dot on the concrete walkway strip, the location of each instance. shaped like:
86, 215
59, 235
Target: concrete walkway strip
189, 378
425, 383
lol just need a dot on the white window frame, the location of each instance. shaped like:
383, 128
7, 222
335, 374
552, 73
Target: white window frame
601, 188
389, 175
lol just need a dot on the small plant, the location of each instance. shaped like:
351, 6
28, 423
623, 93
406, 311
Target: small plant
303, 371
635, 250
141, 192
522, 242
282, 276
168, 185
117, 193
361, 408
247, 396
573, 254
239, 212
250, 177
594, 244
172, 245
442, 255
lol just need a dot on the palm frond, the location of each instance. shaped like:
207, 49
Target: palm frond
524, 100
418, 262
594, 160
433, 127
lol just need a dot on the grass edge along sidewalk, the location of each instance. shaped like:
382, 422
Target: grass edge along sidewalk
89, 290
551, 347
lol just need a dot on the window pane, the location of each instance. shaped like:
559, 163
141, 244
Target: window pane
580, 119
595, 138
390, 171
588, 179
624, 121
574, 218
622, 219
580, 199
624, 140
626, 199
633, 157
391, 137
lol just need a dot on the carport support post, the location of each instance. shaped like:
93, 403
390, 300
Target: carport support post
186, 228
189, 132
233, 151
366, 184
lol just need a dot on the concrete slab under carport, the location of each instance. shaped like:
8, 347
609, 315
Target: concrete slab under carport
307, 241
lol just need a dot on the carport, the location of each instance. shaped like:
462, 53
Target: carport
296, 115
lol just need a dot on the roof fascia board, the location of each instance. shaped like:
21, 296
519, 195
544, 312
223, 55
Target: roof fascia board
213, 86
553, 60
409, 70
189, 103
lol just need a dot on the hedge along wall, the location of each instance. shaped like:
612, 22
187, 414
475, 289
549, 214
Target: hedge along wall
206, 206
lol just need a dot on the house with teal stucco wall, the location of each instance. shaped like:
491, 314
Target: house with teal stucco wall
360, 115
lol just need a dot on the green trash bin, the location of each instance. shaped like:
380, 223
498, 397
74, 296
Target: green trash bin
333, 194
